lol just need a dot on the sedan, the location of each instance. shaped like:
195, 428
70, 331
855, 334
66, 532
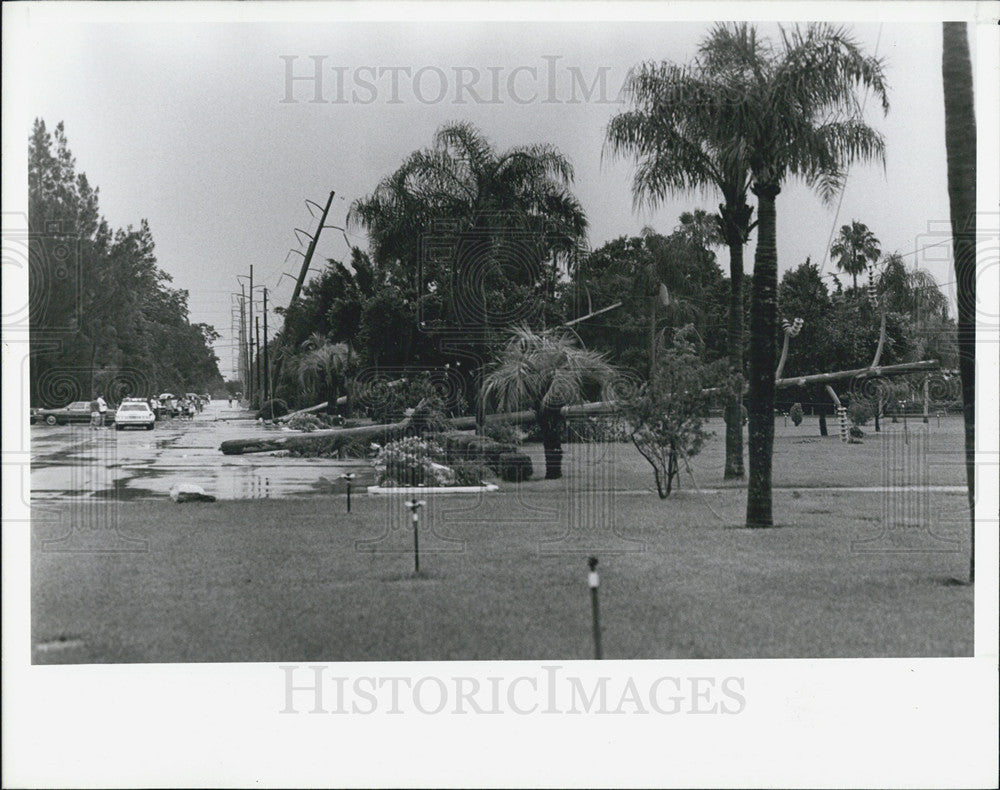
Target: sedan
135, 414
77, 411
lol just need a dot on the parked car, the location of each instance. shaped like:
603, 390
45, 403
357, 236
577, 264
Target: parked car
77, 411
135, 414
153, 404
168, 406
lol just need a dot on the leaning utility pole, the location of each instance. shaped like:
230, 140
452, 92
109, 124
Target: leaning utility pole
309, 252
306, 261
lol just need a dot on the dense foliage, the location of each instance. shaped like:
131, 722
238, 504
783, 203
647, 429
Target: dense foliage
631, 270
103, 315
840, 329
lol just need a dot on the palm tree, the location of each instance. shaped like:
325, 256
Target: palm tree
792, 110
462, 180
544, 372
322, 367
960, 142
854, 249
680, 144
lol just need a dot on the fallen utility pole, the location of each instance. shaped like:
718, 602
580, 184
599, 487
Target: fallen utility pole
860, 373
341, 436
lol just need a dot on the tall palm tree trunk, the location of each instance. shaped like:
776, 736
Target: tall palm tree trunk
960, 143
763, 329
734, 410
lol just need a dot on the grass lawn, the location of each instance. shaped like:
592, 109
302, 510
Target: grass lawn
910, 454
846, 574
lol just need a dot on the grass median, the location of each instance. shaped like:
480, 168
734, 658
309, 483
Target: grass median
504, 577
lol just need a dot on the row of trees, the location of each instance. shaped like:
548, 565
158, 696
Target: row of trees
840, 329
466, 240
103, 316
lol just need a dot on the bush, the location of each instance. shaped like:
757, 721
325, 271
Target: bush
796, 414
412, 462
514, 467
470, 473
504, 432
859, 412
855, 435
488, 451
470, 450
272, 408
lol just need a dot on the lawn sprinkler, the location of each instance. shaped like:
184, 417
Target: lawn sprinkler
594, 582
348, 477
414, 505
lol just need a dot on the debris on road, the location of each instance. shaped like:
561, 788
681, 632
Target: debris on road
189, 492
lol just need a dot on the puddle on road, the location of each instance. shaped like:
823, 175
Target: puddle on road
225, 483
139, 465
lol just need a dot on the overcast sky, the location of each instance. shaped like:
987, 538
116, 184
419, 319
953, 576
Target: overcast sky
189, 122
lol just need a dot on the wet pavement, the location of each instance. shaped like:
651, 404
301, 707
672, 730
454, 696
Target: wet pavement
74, 461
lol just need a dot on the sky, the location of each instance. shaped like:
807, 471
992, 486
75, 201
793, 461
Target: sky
188, 119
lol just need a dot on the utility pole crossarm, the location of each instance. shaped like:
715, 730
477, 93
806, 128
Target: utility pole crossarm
309, 252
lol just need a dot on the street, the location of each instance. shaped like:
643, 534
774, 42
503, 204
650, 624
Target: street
74, 461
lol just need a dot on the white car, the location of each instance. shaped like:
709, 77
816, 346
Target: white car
134, 414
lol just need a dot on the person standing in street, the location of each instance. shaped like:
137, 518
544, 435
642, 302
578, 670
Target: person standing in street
102, 411
95, 414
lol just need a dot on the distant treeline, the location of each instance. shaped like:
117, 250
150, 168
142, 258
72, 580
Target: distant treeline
104, 318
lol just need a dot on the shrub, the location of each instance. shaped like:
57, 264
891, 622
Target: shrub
859, 412
796, 414
514, 467
669, 413
470, 473
504, 432
854, 435
412, 462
